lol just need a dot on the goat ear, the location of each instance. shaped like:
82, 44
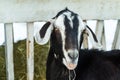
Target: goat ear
42, 36
93, 38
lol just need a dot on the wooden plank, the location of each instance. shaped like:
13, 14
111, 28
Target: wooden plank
116, 41
85, 38
100, 33
9, 51
30, 51
103, 39
35, 10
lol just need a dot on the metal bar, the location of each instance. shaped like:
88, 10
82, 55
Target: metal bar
30, 51
116, 41
100, 33
9, 51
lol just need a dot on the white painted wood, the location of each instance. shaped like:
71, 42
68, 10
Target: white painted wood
30, 51
103, 39
100, 33
36, 10
9, 51
99, 29
116, 41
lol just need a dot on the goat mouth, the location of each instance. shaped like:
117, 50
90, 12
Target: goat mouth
69, 65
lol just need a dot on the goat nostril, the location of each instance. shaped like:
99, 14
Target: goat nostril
73, 55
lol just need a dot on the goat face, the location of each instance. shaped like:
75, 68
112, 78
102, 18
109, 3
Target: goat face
65, 30
69, 26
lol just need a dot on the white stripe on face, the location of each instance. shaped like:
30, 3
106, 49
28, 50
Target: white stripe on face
68, 14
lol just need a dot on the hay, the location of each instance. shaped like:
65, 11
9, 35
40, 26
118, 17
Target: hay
40, 55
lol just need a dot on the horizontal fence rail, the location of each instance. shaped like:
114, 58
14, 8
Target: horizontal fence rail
36, 10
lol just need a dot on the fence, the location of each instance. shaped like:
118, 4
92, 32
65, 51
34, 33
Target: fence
29, 11
9, 51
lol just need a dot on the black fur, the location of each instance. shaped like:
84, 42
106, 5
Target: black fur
94, 36
44, 29
71, 33
55, 68
98, 65
92, 65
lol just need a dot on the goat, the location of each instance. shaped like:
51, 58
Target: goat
65, 32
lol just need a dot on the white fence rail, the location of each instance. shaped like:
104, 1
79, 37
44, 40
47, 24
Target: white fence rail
36, 10
29, 11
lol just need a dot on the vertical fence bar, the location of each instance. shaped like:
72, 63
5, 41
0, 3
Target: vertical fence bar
85, 38
9, 51
100, 33
116, 41
30, 51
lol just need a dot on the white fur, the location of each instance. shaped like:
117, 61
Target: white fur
68, 14
95, 44
46, 38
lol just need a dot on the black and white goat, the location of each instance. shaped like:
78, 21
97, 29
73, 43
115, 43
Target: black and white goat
65, 32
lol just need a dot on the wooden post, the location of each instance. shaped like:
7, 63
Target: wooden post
85, 38
116, 41
30, 51
100, 33
9, 51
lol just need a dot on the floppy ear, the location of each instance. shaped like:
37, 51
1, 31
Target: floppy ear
93, 38
42, 36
